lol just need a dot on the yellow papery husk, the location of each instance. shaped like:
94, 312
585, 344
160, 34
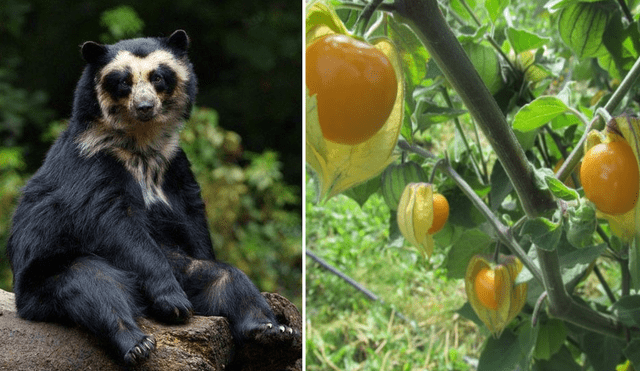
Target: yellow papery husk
625, 129
339, 166
415, 216
510, 298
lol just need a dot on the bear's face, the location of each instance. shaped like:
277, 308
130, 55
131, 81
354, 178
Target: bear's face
133, 89
144, 89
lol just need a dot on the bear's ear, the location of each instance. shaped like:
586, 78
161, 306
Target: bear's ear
179, 41
92, 51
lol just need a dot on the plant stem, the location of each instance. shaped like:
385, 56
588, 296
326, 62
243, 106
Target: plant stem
456, 121
625, 10
596, 123
484, 163
625, 286
425, 18
563, 307
604, 284
470, 11
537, 308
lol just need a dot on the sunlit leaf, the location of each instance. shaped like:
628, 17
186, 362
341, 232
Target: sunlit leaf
495, 8
538, 113
522, 40
582, 27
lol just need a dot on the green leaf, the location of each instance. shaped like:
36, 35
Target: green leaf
486, 62
527, 338
467, 312
603, 352
560, 190
632, 352
510, 351
551, 336
561, 361
581, 223
627, 309
11, 158
555, 5
470, 243
575, 263
500, 186
363, 191
544, 233
622, 43
320, 14
582, 27
501, 354
432, 114
495, 8
414, 55
522, 40
538, 112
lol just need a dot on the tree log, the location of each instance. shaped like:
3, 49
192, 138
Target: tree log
204, 343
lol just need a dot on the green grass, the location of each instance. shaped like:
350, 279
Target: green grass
346, 330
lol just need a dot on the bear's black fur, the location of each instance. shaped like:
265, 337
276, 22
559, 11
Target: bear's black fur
88, 247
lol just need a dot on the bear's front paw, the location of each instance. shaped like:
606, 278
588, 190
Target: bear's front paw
269, 333
172, 308
140, 351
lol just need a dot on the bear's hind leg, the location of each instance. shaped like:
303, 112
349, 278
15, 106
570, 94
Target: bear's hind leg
218, 289
101, 298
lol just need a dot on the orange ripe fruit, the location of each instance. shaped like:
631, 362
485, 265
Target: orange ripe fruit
487, 288
440, 213
609, 176
355, 87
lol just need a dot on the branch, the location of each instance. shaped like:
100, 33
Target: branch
425, 18
596, 123
562, 306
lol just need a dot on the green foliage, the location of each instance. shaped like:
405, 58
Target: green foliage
582, 27
250, 209
549, 89
122, 22
11, 181
19, 108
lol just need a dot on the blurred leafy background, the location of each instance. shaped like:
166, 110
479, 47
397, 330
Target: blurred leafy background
245, 147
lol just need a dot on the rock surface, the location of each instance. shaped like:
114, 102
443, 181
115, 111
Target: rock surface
204, 343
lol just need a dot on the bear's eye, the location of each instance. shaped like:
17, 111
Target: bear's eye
157, 78
124, 84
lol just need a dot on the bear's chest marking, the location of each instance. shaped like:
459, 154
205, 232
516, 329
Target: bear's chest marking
146, 164
148, 173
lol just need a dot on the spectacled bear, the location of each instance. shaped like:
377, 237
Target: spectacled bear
112, 226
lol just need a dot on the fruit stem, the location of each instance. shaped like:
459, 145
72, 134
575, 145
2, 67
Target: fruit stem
596, 123
496, 254
425, 18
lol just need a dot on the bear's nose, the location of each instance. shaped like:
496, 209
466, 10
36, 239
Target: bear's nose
144, 107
